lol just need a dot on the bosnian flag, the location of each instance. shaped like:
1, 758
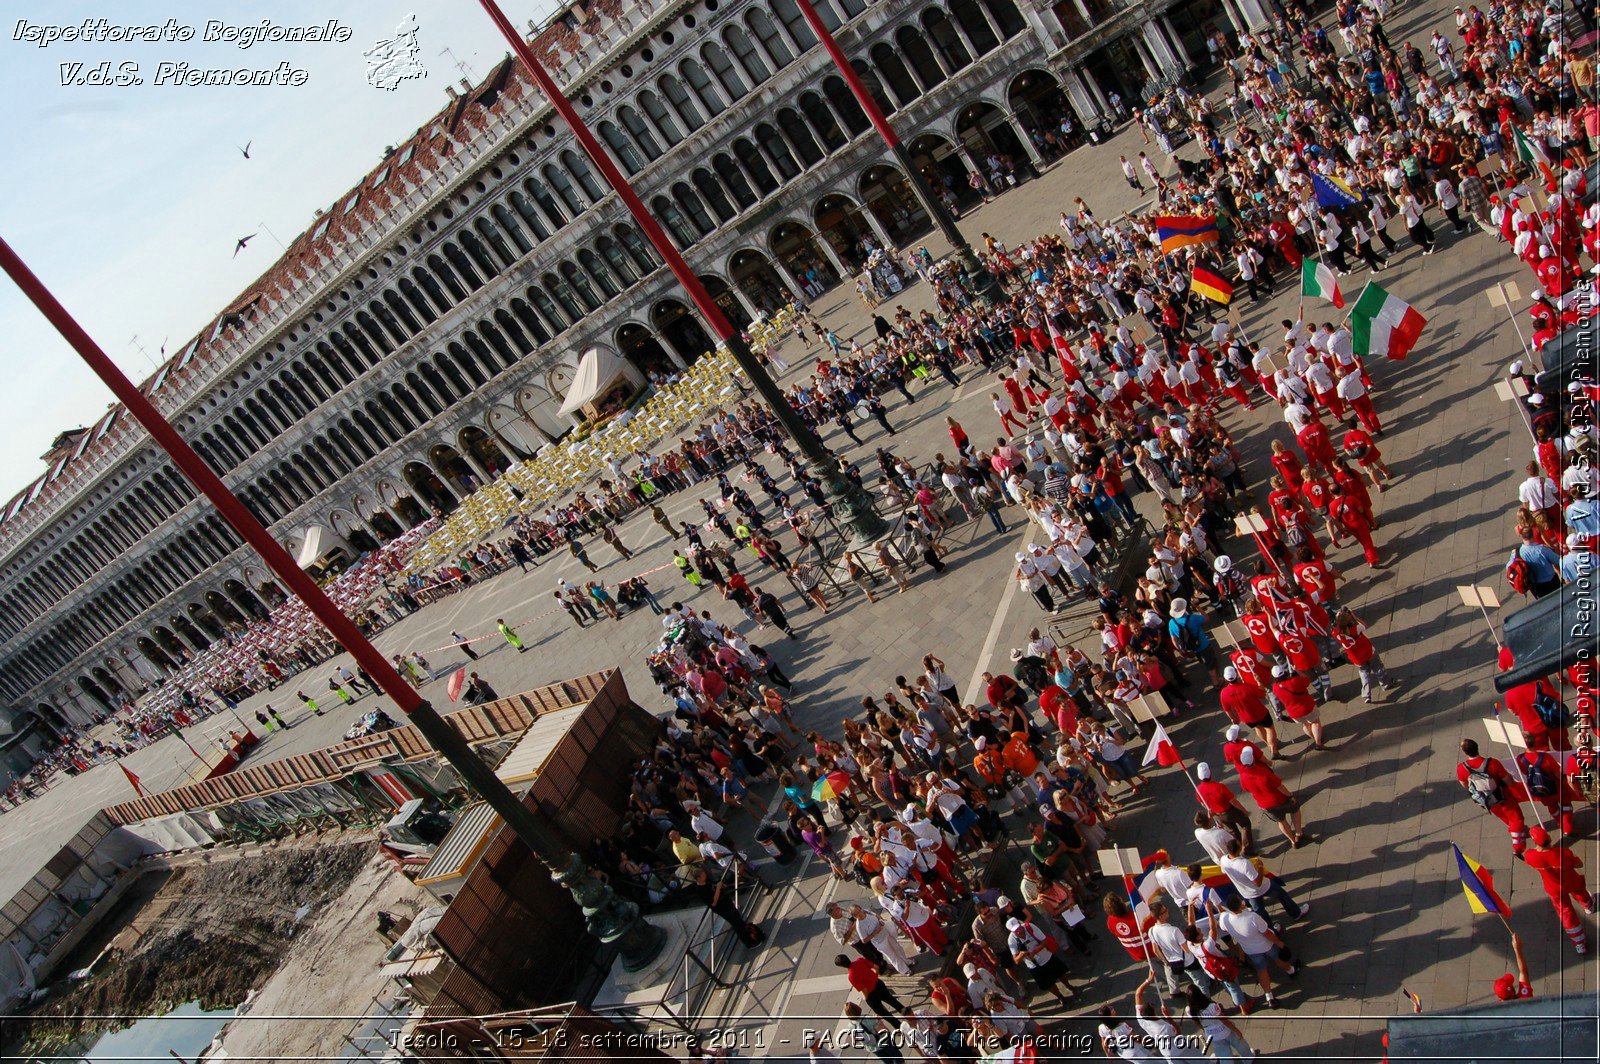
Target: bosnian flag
1160, 750
1381, 324
1319, 282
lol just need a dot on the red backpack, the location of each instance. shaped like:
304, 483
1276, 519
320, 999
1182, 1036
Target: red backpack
1517, 573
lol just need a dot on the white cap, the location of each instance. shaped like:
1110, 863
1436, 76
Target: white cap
1537, 293
1230, 673
980, 743
1223, 564
969, 970
1203, 770
1247, 756
1002, 901
1279, 671
1515, 367
1013, 924
1233, 732
1021, 557
1180, 607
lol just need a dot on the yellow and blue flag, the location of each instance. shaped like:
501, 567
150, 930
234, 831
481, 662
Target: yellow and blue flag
1478, 885
1332, 192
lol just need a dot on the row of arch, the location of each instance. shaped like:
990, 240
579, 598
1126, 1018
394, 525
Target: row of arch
500, 236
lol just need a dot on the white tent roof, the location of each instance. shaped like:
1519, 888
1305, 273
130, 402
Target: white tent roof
596, 370
311, 549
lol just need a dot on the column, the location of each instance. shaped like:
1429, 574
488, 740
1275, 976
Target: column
1254, 13
478, 467
1175, 42
1231, 7
876, 225
1082, 100
826, 247
1160, 50
1150, 66
1034, 158
1098, 94
744, 301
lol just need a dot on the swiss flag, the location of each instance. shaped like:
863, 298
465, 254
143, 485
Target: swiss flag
138, 787
1160, 750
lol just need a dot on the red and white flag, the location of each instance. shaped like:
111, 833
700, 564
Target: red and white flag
1160, 750
138, 786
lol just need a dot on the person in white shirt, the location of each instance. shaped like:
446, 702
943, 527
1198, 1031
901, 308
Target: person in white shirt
1157, 1023
1256, 938
1416, 225
1255, 886
1118, 1040
1449, 202
1222, 1034
1171, 949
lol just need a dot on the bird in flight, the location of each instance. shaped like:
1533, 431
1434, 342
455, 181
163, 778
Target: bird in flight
242, 241
245, 151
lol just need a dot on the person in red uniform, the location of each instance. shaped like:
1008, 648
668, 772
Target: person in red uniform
1525, 701
1352, 487
1220, 801
1246, 703
1317, 578
1124, 925
1318, 497
1287, 463
1546, 784
1490, 786
1256, 622
1358, 447
1316, 444
1561, 875
1293, 689
1272, 796
1235, 743
1509, 986
1347, 515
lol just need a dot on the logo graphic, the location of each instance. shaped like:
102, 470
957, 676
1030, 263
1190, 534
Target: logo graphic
395, 60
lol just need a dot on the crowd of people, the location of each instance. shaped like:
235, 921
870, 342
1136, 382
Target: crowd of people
1093, 411
1112, 383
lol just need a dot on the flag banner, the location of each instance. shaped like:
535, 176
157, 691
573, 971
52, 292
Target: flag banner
1478, 885
1160, 749
1319, 282
1334, 193
1181, 230
1382, 324
1211, 286
138, 785
453, 685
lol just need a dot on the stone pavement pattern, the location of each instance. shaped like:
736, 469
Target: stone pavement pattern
1382, 802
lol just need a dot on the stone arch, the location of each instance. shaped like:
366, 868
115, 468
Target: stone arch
513, 430
537, 407
839, 221
760, 281
679, 326
732, 309
484, 450
1035, 97
454, 469
427, 488
347, 525
941, 166
643, 349
794, 246
984, 128
888, 195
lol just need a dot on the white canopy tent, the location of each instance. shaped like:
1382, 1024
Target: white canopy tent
597, 371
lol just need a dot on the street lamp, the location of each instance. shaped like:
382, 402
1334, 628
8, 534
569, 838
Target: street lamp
867, 527
985, 287
609, 917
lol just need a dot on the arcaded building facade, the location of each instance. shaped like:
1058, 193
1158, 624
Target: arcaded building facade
419, 337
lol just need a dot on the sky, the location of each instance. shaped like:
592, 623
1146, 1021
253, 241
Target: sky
127, 200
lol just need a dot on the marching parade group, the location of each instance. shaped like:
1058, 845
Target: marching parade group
1114, 360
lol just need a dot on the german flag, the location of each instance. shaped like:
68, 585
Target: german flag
1180, 230
1211, 286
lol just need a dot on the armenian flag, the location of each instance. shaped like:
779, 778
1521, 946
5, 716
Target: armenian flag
1333, 192
1180, 230
1211, 286
1478, 885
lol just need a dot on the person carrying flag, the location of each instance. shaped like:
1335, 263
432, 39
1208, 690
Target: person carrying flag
1509, 987
1561, 874
1545, 783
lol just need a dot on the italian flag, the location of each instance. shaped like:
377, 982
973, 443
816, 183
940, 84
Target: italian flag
1532, 152
1381, 324
1319, 282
